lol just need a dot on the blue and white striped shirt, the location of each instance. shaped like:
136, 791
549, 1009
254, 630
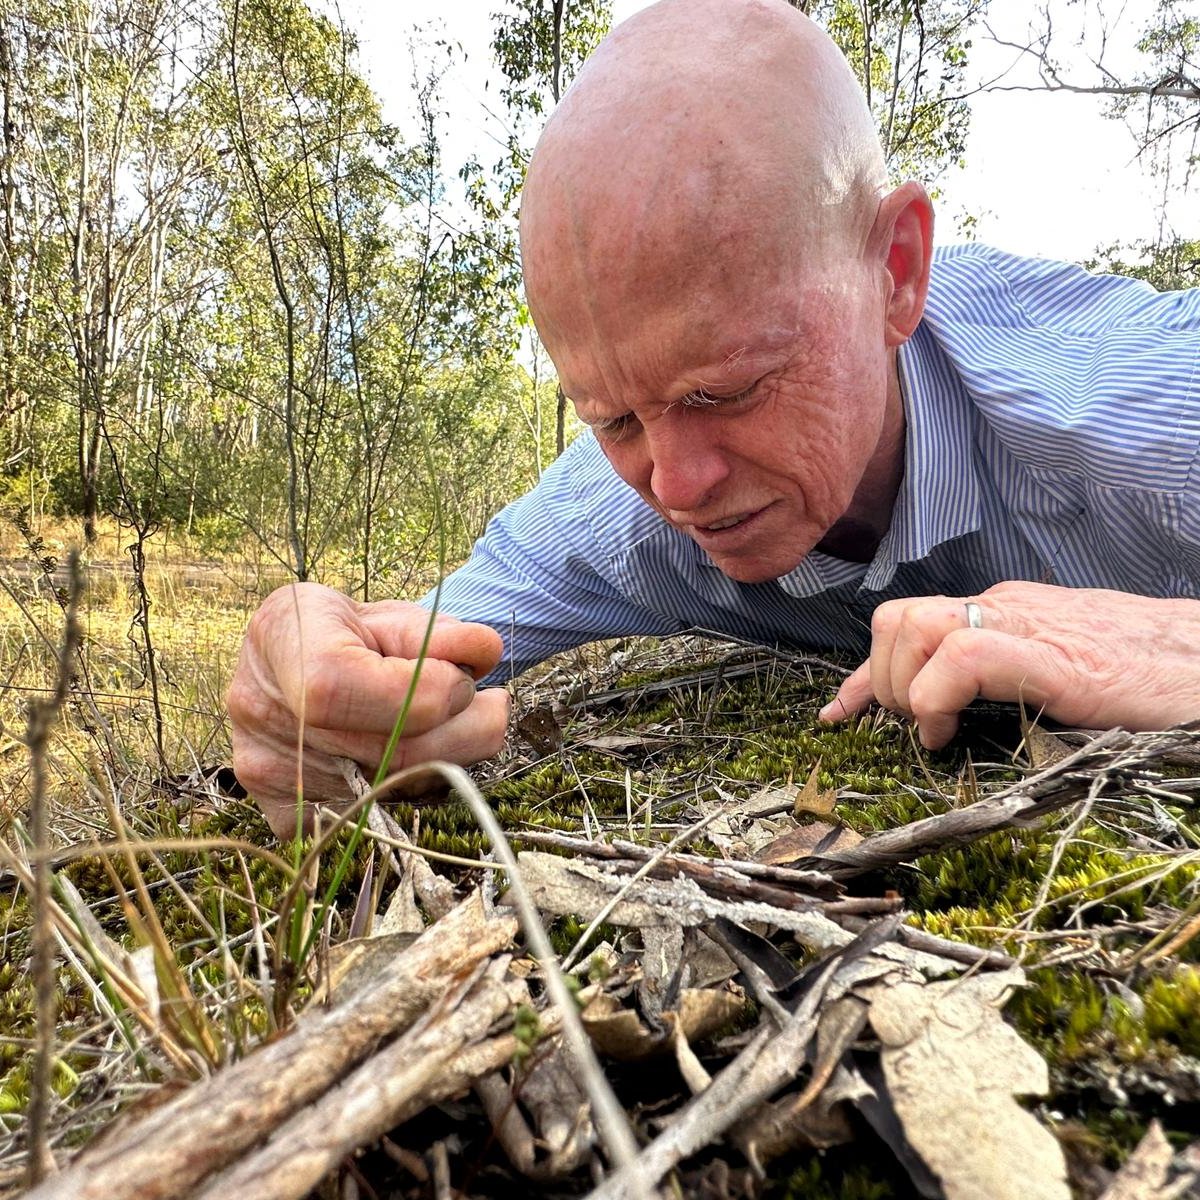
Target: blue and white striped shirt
1053, 427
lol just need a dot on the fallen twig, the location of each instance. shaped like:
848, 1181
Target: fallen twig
172, 1148
816, 883
1115, 753
611, 1121
773, 1057
421, 1067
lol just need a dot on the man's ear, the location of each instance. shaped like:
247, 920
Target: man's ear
902, 237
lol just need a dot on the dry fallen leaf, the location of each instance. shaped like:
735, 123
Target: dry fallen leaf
1044, 749
620, 1033
813, 799
352, 964
539, 727
1147, 1170
953, 1067
817, 837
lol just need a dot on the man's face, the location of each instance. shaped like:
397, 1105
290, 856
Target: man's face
747, 414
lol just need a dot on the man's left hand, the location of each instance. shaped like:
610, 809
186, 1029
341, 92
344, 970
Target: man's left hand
1081, 656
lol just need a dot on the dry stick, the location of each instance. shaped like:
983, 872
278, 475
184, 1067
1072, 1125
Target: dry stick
43, 714
648, 866
847, 913
939, 947
816, 883
773, 1057
1059, 785
611, 1120
715, 674
415, 1071
172, 1148
436, 893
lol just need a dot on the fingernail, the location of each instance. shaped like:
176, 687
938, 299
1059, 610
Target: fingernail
461, 695
832, 711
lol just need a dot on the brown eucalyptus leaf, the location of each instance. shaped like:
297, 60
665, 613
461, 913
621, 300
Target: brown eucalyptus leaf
616, 1030
817, 837
953, 1069
354, 964
1044, 749
620, 1033
539, 727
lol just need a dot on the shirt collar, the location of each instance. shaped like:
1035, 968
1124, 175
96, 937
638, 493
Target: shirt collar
939, 497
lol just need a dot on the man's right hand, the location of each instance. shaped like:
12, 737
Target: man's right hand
314, 659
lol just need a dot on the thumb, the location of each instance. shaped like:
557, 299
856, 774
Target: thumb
854, 696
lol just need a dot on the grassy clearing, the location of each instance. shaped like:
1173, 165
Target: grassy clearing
1101, 905
196, 623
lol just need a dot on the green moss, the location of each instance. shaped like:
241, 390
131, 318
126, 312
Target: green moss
834, 1176
1073, 1017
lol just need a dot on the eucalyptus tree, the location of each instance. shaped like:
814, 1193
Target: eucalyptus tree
911, 57
98, 157
1141, 64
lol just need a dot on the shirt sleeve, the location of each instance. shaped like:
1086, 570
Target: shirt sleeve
543, 574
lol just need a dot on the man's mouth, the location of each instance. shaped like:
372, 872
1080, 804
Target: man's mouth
731, 526
727, 523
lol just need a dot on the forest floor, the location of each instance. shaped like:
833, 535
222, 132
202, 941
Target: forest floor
186, 940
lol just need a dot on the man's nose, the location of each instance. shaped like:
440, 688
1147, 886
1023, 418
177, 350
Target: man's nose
686, 466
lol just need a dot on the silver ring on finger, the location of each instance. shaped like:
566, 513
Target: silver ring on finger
974, 615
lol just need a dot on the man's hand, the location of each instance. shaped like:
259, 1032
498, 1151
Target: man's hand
317, 660
1082, 656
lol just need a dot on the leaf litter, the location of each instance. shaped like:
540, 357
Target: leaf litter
783, 1005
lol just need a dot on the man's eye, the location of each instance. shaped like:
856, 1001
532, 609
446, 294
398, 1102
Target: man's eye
616, 428
703, 399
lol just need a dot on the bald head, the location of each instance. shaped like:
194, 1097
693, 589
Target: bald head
701, 138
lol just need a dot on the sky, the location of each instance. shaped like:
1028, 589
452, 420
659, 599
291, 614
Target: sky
1046, 174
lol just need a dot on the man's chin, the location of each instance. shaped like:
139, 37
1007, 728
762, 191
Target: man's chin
749, 570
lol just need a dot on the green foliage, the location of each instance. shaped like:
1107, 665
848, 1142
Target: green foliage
1168, 267
911, 58
1165, 86
235, 301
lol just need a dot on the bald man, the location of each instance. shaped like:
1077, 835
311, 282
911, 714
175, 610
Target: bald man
980, 472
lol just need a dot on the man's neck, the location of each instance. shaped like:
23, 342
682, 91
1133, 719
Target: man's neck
856, 537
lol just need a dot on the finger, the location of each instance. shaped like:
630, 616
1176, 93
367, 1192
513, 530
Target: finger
268, 773
266, 768
466, 738
475, 733
889, 622
265, 748
921, 630
354, 688
973, 663
399, 631
854, 696
885, 626
310, 650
